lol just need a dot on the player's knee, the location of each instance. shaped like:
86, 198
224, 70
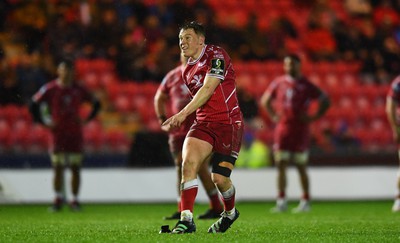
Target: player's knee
75, 159
218, 179
281, 157
57, 159
301, 158
222, 164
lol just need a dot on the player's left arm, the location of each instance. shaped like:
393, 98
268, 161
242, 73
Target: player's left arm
96, 106
160, 101
34, 109
199, 99
323, 105
391, 106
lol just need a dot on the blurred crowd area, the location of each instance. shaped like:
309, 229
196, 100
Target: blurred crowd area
123, 49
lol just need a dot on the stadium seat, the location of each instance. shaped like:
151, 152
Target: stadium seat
149, 89
122, 103
38, 139
101, 65
346, 108
116, 142
20, 136
324, 68
12, 113
261, 82
240, 68
274, 68
93, 137
5, 136
82, 66
381, 134
107, 77
91, 80
249, 5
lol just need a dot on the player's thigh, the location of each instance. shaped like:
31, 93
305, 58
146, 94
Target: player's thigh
196, 151
204, 170
301, 158
282, 157
58, 159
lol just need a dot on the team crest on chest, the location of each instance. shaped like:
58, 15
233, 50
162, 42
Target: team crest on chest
197, 80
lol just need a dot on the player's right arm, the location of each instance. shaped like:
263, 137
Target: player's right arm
199, 99
160, 101
38, 106
266, 103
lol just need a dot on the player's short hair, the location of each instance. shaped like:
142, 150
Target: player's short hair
69, 63
294, 57
197, 27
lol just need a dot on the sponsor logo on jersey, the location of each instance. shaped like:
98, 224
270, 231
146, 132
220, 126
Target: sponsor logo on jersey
226, 146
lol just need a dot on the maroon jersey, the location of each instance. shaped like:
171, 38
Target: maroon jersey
223, 105
64, 104
292, 97
175, 88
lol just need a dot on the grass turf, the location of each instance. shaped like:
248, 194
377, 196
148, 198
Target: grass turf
361, 221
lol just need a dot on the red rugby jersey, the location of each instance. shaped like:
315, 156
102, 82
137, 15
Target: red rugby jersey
64, 104
292, 97
223, 105
179, 95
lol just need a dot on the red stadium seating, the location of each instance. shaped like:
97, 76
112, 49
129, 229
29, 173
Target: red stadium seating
352, 102
20, 135
116, 142
5, 136
93, 135
38, 139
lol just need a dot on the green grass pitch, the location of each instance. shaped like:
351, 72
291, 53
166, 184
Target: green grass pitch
329, 221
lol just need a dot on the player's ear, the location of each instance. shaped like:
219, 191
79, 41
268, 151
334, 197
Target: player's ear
202, 39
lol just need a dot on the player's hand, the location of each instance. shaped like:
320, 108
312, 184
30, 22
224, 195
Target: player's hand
167, 128
50, 125
174, 121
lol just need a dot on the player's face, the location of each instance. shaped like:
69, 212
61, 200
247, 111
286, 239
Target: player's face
291, 67
190, 43
65, 74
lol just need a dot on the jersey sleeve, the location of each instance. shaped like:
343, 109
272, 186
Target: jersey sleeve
41, 95
271, 90
217, 64
164, 88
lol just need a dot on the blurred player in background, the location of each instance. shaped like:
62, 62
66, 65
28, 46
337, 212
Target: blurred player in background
173, 89
392, 105
64, 97
217, 131
287, 101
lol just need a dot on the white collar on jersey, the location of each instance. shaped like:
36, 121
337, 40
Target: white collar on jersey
192, 62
